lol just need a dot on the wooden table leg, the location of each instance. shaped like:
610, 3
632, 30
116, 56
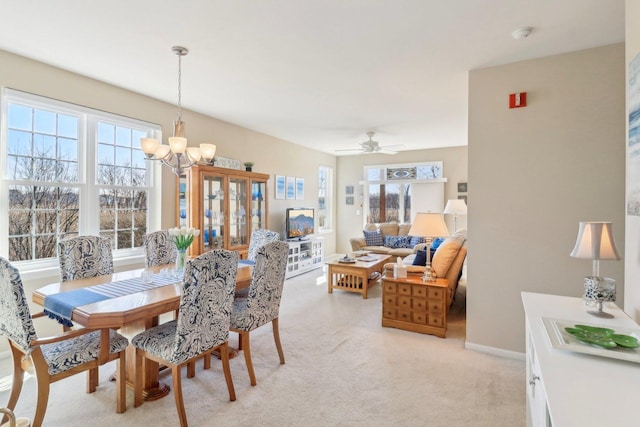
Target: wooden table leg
154, 388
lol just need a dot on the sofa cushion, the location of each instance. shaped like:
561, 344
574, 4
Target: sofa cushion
415, 240
445, 255
400, 252
389, 228
421, 257
373, 238
397, 242
403, 229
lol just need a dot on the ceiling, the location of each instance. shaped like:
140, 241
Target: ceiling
319, 73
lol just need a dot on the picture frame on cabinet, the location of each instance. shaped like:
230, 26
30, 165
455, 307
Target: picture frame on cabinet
299, 188
280, 192
291, 188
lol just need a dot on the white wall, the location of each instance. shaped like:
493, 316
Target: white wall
350, 171
632, 245
534, 173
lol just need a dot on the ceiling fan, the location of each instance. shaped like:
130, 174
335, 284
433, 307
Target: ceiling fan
372, 146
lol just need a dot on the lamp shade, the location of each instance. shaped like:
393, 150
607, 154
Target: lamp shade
595, 241
427, 224
455, 207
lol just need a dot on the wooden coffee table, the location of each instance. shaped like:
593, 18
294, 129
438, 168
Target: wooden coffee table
357, 276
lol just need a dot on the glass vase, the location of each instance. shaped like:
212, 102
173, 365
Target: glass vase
181, 260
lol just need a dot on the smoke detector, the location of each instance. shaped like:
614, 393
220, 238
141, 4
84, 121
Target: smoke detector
521, 33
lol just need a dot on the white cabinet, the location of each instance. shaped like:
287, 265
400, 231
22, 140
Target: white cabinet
567, 388
304, 255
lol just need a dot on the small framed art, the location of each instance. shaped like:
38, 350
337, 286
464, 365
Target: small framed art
280, 187
291, 188
299, 188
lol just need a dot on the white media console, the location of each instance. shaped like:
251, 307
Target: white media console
304, 255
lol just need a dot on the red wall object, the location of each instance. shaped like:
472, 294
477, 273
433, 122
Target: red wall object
518, 100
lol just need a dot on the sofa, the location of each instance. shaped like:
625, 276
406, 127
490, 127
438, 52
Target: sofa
392, 239
446, 262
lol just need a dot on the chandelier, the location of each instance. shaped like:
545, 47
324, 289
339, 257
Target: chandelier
177, 155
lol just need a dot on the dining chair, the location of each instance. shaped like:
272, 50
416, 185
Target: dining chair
159, 249
12, 420
258, 239
53, 358
262, 304
84, 257
201, 327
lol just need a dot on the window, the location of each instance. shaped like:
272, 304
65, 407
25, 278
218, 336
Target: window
388, 190
325, 202
70, 170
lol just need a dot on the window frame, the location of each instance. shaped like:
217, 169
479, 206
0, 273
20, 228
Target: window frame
88, 188
328, 199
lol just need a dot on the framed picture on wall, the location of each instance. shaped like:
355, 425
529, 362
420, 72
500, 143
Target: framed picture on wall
299, 188
462, 187
291, 188
463, 197
280, 187
349, 200
348, 190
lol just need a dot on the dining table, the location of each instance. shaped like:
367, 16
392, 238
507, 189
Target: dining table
139, 308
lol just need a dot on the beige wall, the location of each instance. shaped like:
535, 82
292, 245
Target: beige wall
350, 171
632, 246
270, 155
534, 173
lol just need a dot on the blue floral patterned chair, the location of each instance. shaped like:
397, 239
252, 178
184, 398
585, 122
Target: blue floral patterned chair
85, 256
201, 327
262, 305
258, 239
53, 358
159, 249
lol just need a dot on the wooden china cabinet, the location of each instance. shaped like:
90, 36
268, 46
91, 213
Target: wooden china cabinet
226, 205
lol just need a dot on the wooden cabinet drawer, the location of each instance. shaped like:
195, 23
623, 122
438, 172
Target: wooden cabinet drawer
419, 304
435, 293
404, 303
389, 312
419, 291
434, 306
404, 315
389, 299
419, 317
389, 287
434, 320
404, 289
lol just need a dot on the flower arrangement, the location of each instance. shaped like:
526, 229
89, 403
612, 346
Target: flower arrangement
183, 237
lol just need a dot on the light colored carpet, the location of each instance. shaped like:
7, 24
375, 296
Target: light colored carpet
342, 369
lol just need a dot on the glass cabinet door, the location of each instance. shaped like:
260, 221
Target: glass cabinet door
258, 205
213, 212
238, 208
182, 201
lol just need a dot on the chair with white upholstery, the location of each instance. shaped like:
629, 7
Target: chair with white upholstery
53, 358
262, 305
85, 256
159, 249
201, 327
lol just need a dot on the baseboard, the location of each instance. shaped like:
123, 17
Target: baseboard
495, 351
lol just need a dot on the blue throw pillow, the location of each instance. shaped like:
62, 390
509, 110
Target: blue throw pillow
415, 240
373, 238
421, 258
435, 244
395, 242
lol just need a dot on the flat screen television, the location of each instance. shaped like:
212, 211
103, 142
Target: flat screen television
300, 223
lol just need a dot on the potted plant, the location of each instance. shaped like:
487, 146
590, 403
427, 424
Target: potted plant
248, 166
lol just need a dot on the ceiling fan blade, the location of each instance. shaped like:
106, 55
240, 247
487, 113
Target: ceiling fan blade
386, 151
391, 147
348, 149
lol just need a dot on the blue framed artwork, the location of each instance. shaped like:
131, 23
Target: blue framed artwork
291, 188
299, 188
280, 187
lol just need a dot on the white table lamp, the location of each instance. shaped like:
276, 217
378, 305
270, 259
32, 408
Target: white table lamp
595, 242
455, 207
428, 225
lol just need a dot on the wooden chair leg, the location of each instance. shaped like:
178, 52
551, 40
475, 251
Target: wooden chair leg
239, 341
276, 337
246, 349
207, 360
121, 384
43, 382
191, 369
138, 384
224, 357
92, 380
177, 392
18, 378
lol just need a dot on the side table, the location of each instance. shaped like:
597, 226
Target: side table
414, 305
